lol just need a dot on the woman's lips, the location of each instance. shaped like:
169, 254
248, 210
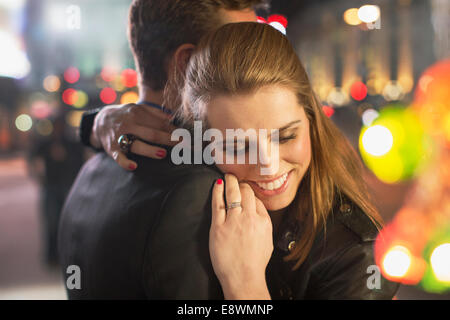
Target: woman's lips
273, 192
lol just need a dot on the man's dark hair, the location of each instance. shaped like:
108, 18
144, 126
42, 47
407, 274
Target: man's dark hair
158, 27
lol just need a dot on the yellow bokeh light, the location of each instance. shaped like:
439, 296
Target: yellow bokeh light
440, 262
397, 261
129, 97
351, 17
81, 99
73, 118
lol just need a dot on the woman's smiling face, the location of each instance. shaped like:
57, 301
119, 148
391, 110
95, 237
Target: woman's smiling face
270, 107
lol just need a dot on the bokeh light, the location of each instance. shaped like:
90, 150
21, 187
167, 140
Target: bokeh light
81, 99
369, 13
108, 95
51, 83
40, 109
329, 111
377, 140
358, 91
129, 97
440, 262
44, 127
72, 75
397, 261
394, 147
73, 118
351, 17
24, 122
431, 100
368, 116
69, 96
129, 78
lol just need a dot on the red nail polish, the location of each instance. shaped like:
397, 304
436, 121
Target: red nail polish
219, 181
161, 153
132, 166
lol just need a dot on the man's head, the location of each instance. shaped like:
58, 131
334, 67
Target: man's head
157, 28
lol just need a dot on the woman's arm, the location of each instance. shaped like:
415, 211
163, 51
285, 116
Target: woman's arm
240, 241
101, 129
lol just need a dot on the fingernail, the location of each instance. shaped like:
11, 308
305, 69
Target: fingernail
161, 153
132, 166
219, 181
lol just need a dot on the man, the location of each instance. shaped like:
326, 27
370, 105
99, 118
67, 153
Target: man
122, 235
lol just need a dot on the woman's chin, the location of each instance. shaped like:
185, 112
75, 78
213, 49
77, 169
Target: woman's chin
276, 204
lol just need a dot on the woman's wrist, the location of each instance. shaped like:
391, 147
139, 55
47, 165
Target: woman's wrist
251, 289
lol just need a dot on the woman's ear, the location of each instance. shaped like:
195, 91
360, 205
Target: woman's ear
182, 55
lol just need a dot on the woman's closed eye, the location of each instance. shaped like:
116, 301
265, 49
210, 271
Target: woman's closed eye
244, 147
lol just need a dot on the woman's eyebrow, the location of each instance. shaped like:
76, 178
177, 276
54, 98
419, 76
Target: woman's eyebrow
290, 124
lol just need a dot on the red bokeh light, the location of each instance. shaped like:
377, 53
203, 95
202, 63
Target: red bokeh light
108, 95
69, 96
72, 75
129, 78
329, 111
358, 91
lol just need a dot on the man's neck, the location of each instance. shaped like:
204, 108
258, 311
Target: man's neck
149, 95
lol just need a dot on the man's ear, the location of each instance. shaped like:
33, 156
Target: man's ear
182, 55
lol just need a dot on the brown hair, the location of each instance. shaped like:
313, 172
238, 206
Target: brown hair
243, 57
157, 27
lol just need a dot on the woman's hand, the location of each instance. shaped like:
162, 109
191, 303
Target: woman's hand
240, 241
146, 123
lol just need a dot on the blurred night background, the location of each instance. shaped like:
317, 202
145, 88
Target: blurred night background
380, 67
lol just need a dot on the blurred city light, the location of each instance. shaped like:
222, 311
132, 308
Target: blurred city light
394, 147
69, 96
108, 74
369, 116
81, 99
377, 140
129, 97
369, 13
351, 17
329, 111
358, 91
44, 127
108, 95
73, 118
440, 262
129, 78
51, 83
72, 75
13, 59
40, 109
337, 97
24, 122
393, 91
12, 4
397, 261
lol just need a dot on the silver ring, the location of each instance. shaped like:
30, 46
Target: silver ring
125, 141
233, 205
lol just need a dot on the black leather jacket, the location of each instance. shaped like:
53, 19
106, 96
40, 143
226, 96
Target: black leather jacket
144, 235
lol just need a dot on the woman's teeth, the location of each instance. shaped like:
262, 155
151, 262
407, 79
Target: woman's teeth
274, 184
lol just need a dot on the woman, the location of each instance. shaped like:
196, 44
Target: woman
308, 227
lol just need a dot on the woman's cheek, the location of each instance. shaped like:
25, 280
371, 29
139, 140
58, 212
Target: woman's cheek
300, 151
235, 169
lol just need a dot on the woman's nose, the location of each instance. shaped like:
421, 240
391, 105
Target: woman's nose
268, 157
